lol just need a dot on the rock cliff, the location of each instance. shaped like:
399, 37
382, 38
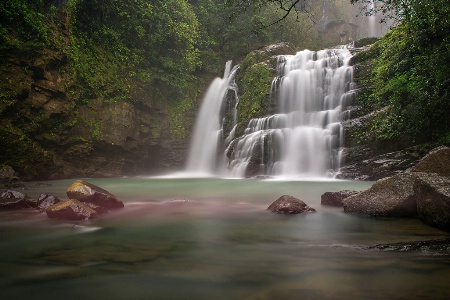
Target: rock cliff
51, 130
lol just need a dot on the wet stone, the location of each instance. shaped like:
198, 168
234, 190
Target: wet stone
289, 205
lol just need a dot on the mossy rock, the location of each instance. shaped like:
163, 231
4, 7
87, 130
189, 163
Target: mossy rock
255, 85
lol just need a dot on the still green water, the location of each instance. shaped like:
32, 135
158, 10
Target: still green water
221, 244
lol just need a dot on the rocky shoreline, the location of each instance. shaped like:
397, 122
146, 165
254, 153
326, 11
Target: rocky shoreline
423, 192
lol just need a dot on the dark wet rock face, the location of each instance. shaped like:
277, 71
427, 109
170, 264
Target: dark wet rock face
289, 205
388, 197
433, 199
87, 192
8, 178
71, 210
93, 139
15, 200
336, 198
361, 164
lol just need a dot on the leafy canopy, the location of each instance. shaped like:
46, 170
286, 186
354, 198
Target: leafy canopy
410, 74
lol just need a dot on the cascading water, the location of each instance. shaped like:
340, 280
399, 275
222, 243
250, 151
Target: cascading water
372, 20
305, 138
377, 24
206, 155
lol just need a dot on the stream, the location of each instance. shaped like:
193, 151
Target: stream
216, 241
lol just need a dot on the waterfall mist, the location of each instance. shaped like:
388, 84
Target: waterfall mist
206, 157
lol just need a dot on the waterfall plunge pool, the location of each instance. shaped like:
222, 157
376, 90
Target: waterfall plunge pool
221, 245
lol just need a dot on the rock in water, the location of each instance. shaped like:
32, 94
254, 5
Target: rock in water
87, 192
289, 205
433, 200
71, 210
46, 200
388, 197
15, 200
336, 198
438, 246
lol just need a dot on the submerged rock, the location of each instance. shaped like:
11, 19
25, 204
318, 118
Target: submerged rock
71, 210
289, 205
336, 198
87, 192
388, 197
10, 199
433, 200
437, 246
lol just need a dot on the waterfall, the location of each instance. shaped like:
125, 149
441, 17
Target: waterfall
305, 137
372, 20
206, 154
376, 23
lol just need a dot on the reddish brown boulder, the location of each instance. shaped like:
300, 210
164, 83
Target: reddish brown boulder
289, 205
86, 192
71, 210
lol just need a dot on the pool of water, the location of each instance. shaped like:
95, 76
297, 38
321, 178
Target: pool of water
220, 243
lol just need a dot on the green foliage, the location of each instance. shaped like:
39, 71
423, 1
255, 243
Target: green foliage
253, 102
410, 77
179, 122
117, 45
24, 25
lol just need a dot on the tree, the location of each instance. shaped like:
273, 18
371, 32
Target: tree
397, 10
137, 40
410, 74
23, 25
285, 7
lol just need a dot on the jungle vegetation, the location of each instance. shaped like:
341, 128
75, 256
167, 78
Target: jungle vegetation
116, 46
410, 76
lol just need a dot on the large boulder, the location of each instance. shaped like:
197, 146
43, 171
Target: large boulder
437, 161
336, 198
433, 199
87, 192
10, 199
71, 210
388, 197
289, 205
